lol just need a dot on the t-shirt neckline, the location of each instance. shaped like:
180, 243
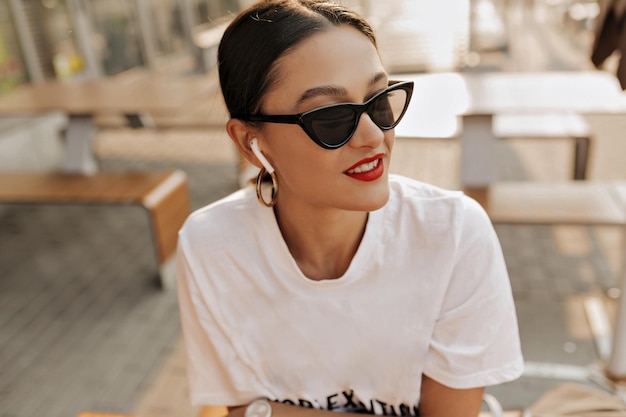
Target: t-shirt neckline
362, 258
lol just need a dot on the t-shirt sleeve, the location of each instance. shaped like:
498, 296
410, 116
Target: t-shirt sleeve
475, 341
216, 373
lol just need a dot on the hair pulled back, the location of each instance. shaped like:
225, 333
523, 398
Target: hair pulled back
264, 32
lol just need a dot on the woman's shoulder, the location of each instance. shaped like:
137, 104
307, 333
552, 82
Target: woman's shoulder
412, 188
222, 218
420, 212
433, 201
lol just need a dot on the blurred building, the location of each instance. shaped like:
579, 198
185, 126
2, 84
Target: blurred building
67, 39
419, 35
74, 39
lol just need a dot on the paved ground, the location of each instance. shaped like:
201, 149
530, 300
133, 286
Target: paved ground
82, 322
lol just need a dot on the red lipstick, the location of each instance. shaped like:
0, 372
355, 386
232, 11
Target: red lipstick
367, 169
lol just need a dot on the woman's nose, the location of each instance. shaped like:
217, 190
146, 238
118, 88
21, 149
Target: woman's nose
367, 133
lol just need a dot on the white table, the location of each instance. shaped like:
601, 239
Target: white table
446, 103
467, 103
81, 101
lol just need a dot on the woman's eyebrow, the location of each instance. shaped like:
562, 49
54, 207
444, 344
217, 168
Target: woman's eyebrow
324, 90
332, 90
377, 77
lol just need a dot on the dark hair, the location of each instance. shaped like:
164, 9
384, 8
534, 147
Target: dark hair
264, 32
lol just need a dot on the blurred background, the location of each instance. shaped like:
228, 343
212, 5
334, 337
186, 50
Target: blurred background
72, 39
84, 326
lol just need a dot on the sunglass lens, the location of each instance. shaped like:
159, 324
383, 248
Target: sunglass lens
332, 126
386, 110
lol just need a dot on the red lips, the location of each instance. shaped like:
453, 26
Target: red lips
368, 169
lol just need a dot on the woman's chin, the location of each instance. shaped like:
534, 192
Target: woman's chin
373, 199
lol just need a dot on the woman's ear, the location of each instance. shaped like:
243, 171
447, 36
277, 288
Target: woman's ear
241, 135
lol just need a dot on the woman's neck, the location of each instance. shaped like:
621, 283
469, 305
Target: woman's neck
322, 242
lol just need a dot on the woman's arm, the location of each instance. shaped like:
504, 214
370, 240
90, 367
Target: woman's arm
436, 400
439, 400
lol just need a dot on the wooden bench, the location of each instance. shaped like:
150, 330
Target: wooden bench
591, 203
549, 126
164, 195
569, 202
205, 111
533, 126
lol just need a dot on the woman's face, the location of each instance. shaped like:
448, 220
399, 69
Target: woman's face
336, 66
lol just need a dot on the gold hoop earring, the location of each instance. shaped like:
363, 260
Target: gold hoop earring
259, 182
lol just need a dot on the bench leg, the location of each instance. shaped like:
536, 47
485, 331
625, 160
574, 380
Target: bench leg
168, 207
581, 157
139, 120
616, 368
167, 273
79, 136
480, 194
477, 151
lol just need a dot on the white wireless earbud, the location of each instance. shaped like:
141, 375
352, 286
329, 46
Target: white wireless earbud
255, 149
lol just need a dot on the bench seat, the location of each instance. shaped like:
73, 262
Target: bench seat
573, 202
163, 194
549, 126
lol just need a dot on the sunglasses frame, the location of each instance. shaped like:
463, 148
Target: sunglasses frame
305, 119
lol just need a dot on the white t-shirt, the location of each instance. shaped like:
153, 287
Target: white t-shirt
426, 293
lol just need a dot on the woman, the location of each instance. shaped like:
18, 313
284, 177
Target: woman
345, 288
